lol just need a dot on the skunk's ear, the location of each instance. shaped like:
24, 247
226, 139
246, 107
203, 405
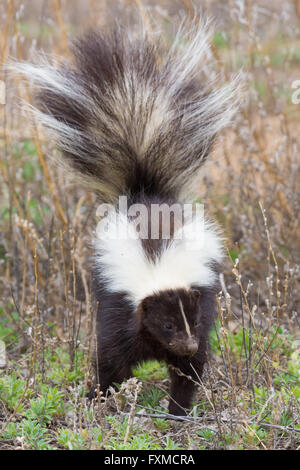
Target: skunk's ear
144, 308
146, 304
196, 293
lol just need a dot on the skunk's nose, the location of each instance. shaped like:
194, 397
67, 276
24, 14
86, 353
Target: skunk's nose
192, 346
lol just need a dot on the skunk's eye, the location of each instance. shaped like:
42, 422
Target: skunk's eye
168, 326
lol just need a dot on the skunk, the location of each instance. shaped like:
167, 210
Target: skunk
135, 119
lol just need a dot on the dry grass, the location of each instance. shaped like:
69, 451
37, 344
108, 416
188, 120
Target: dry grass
249, 397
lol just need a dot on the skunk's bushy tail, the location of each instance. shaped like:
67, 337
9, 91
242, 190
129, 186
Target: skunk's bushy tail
131, 117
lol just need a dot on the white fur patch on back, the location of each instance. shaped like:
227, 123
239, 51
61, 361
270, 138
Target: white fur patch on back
125, 267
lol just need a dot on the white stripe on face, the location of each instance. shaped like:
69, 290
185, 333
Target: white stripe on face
187, 326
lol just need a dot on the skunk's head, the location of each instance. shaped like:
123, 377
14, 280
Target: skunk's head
172, 318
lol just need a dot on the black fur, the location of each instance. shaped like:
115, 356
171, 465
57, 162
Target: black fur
126, 336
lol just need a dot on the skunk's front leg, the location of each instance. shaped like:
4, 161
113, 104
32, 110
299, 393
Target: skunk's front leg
116, 341
184, 376
108, 373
